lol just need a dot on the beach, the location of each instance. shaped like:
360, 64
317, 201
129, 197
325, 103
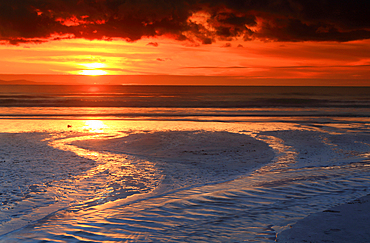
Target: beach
344, 223
182, 173
178, 181
184, 121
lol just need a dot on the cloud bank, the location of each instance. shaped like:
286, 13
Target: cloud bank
198, 21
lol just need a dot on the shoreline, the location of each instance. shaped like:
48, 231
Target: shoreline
307, 175
347, 222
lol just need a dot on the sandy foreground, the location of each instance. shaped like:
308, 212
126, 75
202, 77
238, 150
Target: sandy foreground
344, 223
190, 157
32, 173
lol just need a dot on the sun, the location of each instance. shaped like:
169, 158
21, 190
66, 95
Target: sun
93, 69
93, 72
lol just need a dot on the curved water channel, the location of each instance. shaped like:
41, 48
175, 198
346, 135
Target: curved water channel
123, 197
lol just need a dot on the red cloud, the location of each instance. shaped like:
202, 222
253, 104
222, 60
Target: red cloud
277, 20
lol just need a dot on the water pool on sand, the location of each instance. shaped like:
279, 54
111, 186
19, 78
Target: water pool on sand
176, 181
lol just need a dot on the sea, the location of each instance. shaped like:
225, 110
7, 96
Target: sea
107, 163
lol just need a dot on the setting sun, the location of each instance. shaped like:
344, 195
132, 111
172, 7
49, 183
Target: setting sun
196, 121
93, 72
93, 69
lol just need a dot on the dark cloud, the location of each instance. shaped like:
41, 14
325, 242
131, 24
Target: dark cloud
23, 21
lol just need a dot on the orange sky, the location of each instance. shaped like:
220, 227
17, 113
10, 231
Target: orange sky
346, 62
247, 47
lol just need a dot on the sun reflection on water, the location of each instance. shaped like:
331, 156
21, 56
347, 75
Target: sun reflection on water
110, 177
94, 126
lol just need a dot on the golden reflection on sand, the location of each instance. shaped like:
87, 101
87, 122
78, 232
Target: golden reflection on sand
106, 176
112, 127
111, 172
94, 126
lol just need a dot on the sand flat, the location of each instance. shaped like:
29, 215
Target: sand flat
344, 223
190, 157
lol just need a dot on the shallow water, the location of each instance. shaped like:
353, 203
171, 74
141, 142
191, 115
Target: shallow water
104, 194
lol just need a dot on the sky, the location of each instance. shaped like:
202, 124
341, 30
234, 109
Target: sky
241, 42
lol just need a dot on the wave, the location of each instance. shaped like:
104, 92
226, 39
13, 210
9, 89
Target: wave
183, 96
190, 114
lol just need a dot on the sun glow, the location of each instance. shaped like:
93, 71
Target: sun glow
93, 65
93, 69
94, 125
93, 72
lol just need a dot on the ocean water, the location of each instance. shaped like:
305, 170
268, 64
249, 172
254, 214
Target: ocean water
176, 163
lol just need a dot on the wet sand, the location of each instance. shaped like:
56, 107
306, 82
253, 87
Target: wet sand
220, 184
190, 157
344, 223
35, 183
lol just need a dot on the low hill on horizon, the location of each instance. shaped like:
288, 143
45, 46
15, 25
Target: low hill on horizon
21, 82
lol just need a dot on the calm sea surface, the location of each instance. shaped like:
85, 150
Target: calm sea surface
176, 163
119, 102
